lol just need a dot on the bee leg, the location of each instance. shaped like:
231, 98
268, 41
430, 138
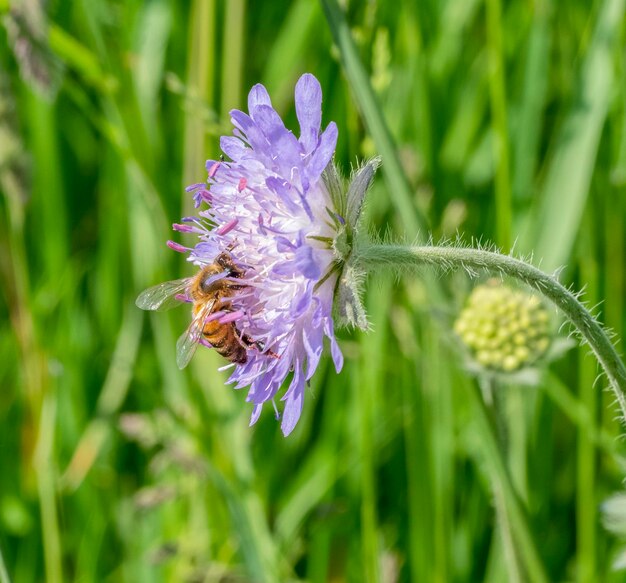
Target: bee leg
248, 342
256, 345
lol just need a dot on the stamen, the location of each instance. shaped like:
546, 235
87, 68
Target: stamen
213, 169
215, 316
229, 226
261, 225
232, 317
184, 228
242, 184
177, 247
202, 196
226, 367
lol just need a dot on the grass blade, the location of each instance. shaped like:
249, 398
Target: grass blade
397, 184
499, 124
487, 449
554, 221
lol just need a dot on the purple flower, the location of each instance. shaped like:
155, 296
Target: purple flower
271, 209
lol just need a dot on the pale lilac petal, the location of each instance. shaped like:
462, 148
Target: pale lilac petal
309, 110
269, 122
335, 351
282, 143
256, 413
324, 152
300, 305
336, 354
254, 136
294, 399
313, 345
233, 147
258, 96
306, 264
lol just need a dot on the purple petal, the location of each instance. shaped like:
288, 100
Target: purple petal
258, 96
284, 190
303, 263
301, 304
281, 367
284, 245
324, 152
203, 253
256, 413
336, 354
233, 147
260, 390
305, 260
294, 401
335, 351
309, 110
269, 122
254, 136
313, 345
192, 187
285, 147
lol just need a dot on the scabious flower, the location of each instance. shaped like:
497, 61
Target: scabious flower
271, 205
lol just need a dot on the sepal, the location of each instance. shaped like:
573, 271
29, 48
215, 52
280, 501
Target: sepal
349, 309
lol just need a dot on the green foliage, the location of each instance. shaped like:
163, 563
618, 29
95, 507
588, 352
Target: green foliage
504, 121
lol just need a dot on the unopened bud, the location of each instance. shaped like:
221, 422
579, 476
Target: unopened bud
503, 328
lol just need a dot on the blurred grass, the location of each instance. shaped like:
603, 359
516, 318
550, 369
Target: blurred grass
502, 120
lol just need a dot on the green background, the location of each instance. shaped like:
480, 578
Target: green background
503, 121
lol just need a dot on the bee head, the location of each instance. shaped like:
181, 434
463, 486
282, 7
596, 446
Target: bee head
225, 261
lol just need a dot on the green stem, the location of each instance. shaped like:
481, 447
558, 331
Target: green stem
406, 257
504, 493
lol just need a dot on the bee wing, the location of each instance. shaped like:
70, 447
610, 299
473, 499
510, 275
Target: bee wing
188, 341
163, 296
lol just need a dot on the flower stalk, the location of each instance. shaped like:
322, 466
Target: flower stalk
403, 257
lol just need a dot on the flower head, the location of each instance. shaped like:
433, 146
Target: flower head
268, 206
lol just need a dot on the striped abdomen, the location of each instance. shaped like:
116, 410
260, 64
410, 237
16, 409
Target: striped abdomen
223, 337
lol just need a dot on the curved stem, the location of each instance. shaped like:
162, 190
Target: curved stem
402, 257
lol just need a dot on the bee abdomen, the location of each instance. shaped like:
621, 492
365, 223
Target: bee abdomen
225, 342
217, 337
234, 352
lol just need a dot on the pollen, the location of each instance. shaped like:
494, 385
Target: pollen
504, 329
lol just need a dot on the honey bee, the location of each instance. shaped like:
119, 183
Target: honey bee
209, 290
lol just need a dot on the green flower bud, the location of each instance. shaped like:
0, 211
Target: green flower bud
504, 329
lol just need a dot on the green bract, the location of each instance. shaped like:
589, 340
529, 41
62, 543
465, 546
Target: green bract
349, 198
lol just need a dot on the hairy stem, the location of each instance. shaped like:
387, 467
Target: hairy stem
406, 257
